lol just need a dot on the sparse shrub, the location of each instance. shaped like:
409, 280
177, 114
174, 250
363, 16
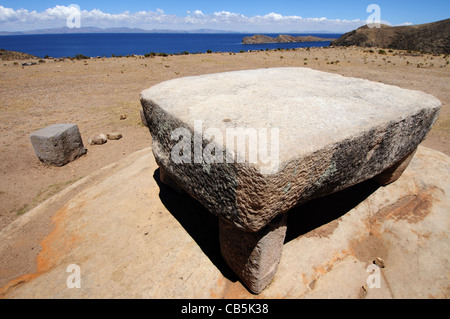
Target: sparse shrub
381, 52
81, 57
208, 51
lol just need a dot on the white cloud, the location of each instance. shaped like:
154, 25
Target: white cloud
22, 19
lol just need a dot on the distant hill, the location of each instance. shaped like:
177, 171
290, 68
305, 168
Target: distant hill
282, 38
430, 37
66, 30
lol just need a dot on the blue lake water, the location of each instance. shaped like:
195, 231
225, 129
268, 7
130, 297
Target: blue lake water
68, 45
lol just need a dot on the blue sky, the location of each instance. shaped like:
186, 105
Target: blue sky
234, 15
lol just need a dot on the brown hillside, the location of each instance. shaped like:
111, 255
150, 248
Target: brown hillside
12, 55
430, 37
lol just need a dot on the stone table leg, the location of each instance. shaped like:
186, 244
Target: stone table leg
165, 178
253, 256
395, 171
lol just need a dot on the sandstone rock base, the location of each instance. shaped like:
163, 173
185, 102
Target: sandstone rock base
130, 241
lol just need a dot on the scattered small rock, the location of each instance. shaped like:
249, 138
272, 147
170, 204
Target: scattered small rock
114, 136
123, 116
363, 292
379, 262
98, 140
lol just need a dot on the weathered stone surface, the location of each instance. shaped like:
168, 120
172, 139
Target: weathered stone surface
334, 132
58, 144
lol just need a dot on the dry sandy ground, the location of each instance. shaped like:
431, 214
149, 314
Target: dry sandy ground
94, 93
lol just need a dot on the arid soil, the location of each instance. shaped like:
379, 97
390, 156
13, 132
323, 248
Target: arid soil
95, 93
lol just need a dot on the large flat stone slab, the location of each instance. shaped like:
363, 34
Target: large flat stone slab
325, 132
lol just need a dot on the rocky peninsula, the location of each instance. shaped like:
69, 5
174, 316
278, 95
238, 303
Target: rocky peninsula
282, 38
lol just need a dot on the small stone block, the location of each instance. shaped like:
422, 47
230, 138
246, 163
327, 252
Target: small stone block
58, 144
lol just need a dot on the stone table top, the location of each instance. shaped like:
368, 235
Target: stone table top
333, 132
312, 109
